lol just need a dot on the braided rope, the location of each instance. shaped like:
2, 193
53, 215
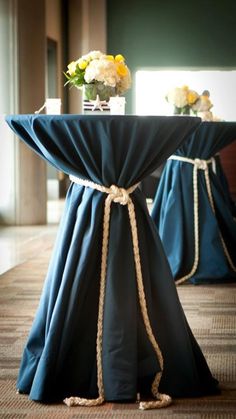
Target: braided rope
200, 164
121, 196
209, 191
163, 399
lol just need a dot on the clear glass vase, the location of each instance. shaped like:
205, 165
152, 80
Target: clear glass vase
96, 98
90, 91
185, 110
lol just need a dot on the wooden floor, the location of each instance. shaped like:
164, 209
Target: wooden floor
19, 244
210, 310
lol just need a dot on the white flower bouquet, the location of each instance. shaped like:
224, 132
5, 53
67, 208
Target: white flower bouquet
107, 74
182, 98
188, 102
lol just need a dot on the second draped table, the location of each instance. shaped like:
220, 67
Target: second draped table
193, 209
69, 352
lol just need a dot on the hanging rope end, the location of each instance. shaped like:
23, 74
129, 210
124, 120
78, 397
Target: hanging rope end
164, 400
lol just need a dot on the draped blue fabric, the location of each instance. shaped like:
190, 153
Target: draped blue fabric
173, 208
59, 359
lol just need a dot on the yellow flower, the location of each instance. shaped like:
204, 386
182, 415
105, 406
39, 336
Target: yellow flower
192, 97
121, 69
71, 68
119, 58
82, 64
110, 57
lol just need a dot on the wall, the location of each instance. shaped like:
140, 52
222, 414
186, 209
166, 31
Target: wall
23, 174
54, 32
228, 157
86, 32
183, 33
8, 103
31, 170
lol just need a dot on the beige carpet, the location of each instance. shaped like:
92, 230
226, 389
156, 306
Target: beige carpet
210, 311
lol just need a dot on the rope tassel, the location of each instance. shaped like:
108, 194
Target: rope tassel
121, 196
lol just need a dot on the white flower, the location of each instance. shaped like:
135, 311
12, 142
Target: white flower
102, 70
92, 55
178, 97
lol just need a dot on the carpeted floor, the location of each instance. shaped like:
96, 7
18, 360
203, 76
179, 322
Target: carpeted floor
210, 311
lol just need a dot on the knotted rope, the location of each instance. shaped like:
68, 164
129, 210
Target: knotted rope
201, 164
121, 196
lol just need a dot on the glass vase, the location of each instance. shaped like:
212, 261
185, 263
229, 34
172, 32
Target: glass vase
182, 111
96, 98
90, 91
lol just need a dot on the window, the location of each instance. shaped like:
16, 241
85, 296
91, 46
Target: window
152, 86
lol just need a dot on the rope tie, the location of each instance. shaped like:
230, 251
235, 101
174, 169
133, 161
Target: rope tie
201, 164
121, 196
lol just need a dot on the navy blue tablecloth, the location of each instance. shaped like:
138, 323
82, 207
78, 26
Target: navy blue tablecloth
173, 209
59, 358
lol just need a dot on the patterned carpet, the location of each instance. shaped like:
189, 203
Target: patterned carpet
210, 311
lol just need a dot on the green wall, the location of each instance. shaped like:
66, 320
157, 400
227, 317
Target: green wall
181, 33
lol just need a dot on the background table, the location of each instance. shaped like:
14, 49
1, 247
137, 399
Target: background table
173, 210
59, 359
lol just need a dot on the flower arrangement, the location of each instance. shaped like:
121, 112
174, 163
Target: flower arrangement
182, 98
187, 101
99, 70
